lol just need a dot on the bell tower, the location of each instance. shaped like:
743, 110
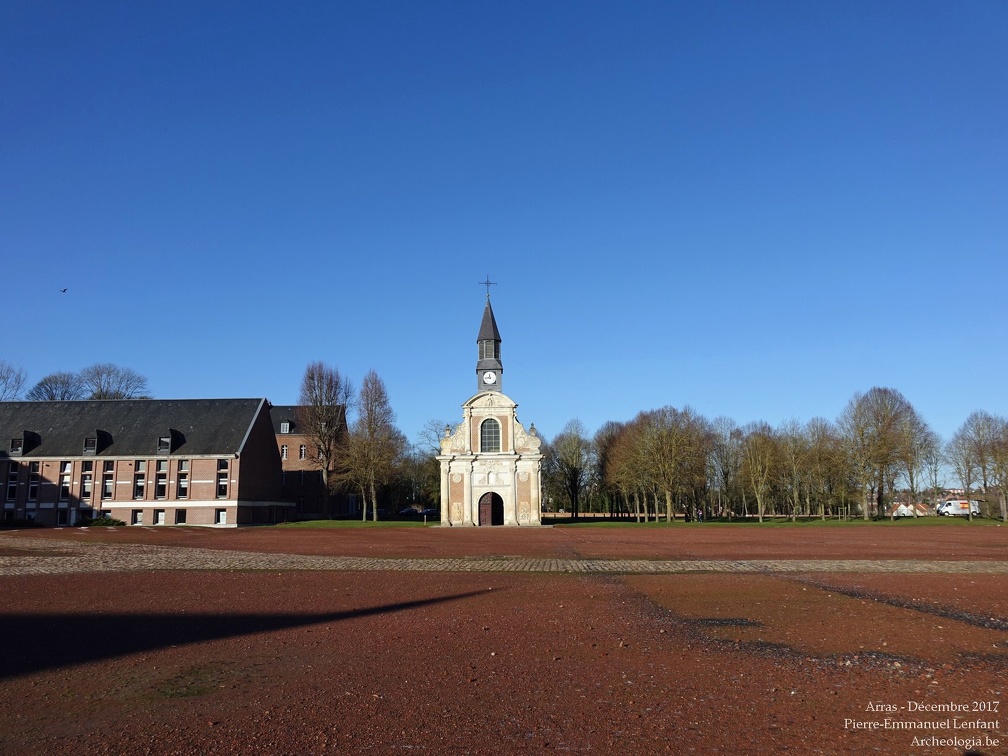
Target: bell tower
488, 365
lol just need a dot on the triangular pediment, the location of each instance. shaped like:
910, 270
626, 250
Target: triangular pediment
490, 399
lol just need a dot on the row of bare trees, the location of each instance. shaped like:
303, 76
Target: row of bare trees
673, 461
363, 456
103, 380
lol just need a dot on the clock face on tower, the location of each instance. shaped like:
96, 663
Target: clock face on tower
489, 377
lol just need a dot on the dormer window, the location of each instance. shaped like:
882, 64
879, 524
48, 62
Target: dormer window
23, 444
285, 427
91, 445
169, 442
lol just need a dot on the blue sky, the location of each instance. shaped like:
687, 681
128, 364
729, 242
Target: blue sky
755, 209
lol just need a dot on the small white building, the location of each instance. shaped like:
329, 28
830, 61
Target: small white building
490, 465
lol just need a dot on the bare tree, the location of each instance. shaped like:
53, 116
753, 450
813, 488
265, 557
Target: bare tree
920, 445
374, 443
963, 453
323, 400
431, 435
875, 429
726, 457
999, 464
981, 429
760, 455
12, 381
795, 450
103, 380
572, 461
824, 465
57, 387
934, 466
624, 467
605, 440
420, 464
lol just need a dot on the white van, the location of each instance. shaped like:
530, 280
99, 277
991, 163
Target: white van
958, 508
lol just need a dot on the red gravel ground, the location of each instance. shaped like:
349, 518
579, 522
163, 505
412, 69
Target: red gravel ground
382, 662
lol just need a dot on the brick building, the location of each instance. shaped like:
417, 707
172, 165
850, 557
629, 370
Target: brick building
144, 461
302, 482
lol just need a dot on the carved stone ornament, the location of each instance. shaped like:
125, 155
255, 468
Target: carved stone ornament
458, 442
525, 441
456, 477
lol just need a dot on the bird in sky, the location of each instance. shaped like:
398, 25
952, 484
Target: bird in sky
63, 291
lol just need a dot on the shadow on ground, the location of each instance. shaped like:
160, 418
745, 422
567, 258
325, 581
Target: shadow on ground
51, 641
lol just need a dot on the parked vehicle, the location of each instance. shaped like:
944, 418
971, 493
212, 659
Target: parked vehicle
958, 508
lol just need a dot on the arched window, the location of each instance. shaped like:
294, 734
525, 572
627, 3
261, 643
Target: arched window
490, 436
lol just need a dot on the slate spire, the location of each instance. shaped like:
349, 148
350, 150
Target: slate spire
488, 364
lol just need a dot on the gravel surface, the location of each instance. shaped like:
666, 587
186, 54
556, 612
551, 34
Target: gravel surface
745, 640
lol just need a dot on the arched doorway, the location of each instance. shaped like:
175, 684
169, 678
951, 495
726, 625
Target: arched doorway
491, 509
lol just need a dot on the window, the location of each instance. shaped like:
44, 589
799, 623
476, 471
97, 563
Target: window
285, 427
283, 451
91, 445
16, 445
302, 451
85, 486
182, 484
137, 517
220, 517
222, 478
65, 471
159, 517
164, 445
108, 482
33, 481
180, 517
161, 479
12, 481
139, 470
490, 436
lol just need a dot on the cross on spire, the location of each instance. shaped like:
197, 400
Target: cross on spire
488, 283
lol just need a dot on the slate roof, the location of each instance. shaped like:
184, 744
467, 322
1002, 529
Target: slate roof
284, 413
287, 413
488, 328
128, 427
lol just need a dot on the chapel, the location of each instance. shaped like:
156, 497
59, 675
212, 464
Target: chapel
490, 465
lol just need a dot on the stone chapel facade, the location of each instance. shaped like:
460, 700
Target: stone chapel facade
490, 465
